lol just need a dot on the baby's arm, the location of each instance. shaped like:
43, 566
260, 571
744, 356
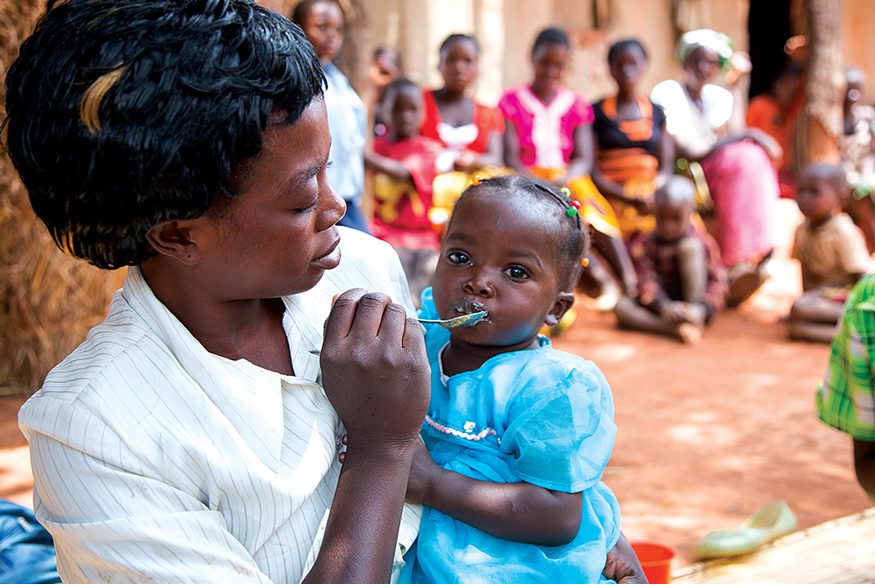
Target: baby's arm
514, 511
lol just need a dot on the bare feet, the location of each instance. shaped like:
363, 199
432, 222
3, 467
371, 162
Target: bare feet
689, 333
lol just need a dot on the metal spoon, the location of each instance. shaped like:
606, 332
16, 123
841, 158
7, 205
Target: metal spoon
457, 321
448, 323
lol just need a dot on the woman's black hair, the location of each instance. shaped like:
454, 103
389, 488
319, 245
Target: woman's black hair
623, 45
551, 36
458, 37
571, 232
124, 114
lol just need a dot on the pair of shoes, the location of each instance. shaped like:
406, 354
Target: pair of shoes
770, 522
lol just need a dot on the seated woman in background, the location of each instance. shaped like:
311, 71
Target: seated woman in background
549, 135
633, 152
470, 132
737, 162
775, 113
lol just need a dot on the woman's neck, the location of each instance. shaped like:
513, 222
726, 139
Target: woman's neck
447, 95
694, 91
250, 329
544, 94
626, 95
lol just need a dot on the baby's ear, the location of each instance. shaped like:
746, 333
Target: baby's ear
563, 302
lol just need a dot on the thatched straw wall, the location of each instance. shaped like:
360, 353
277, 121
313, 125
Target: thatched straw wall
47, 300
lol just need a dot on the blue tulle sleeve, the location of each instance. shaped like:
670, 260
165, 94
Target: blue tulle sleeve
561, 430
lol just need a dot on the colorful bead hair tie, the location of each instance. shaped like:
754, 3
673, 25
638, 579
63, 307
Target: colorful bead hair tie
476, 180
584, 262
573, 208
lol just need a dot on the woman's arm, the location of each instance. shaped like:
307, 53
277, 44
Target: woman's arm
494, 154
583, 154
512, 148
386, 165
666, 158
375, 374
514, 511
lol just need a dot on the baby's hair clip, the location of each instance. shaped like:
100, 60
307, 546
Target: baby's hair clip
565, 191
573, 208
584, 262
476, 180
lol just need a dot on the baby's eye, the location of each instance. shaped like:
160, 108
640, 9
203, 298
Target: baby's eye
458, 257
517, 273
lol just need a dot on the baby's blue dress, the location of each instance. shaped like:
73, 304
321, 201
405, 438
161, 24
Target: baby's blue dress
541, 416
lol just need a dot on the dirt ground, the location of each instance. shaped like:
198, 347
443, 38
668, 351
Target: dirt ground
707, 434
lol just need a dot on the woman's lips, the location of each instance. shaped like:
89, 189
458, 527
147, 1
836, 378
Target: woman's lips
331, 259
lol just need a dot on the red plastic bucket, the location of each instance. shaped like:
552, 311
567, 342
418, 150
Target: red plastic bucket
656, 559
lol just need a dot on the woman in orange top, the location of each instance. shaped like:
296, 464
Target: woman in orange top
775, 114
633, 151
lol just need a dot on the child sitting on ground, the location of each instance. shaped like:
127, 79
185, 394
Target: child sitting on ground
830, 249
404, 164
681, 282
518, 434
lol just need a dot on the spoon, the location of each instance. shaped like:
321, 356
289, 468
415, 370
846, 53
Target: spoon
448, 323
457, 321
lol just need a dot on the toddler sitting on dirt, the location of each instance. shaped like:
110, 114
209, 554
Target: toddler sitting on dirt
681, 281
830, 248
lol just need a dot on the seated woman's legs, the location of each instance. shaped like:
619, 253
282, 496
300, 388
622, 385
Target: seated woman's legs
745, 188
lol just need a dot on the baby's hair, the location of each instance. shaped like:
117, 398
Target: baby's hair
677, 190
833, 175
459, 37
571, 232
124, 114
301, 11
551, 36
623, 45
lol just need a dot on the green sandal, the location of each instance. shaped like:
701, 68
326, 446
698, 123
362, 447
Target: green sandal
770, 522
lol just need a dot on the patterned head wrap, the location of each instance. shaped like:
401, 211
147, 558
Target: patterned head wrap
705, 38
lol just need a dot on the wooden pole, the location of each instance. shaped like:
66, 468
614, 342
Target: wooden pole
825, 82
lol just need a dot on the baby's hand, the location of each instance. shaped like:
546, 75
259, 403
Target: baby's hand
423, 471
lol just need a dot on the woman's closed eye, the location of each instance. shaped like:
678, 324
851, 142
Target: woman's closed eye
458, 258
517, 273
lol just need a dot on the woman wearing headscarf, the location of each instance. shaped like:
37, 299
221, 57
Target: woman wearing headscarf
736, 161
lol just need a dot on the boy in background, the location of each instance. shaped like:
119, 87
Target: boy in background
404, 164
681, 282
